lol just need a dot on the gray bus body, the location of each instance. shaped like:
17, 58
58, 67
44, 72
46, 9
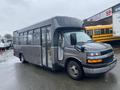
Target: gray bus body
48, 44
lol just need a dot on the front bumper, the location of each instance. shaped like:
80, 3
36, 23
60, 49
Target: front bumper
88, 70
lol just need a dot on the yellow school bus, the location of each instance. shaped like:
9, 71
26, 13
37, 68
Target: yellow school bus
101, 33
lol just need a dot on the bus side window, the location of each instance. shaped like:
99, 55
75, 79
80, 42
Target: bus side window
110, 31
25, 38
21, 38
30, 37
102, 31
16, 38
36, 37
48, 34
107, 31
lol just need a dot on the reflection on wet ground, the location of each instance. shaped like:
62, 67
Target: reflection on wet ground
30, 77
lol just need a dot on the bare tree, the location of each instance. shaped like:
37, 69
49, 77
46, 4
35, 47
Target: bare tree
8, 36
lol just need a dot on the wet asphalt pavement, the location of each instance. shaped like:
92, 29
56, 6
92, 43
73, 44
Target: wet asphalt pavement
17, 76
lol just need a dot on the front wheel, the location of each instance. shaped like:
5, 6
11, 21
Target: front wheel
75, 70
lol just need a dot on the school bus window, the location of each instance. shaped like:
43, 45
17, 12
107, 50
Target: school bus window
110, 31
107, 31
97, 32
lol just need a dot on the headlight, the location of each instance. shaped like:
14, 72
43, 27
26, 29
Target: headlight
94, 54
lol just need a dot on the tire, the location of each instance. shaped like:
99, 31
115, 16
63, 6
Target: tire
75, 70
22, 59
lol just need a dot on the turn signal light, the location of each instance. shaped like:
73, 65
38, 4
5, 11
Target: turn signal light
95, 61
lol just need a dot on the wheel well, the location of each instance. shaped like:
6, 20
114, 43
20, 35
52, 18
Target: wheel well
71, 59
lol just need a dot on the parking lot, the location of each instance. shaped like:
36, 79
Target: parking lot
17, 76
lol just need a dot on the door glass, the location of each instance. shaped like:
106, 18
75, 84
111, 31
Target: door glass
60, 47
49, 48
44, 46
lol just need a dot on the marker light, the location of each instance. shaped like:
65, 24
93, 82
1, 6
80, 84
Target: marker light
94, 61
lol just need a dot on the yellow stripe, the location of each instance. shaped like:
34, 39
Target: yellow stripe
98, 27
106, 40
102, 35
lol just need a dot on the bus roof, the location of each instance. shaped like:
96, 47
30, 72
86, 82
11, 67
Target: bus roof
98, 27
56, 22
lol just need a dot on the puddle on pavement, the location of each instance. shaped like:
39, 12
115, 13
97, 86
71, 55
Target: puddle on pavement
5, 55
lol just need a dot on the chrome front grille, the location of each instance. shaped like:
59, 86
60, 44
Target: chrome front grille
108, 59
106, 52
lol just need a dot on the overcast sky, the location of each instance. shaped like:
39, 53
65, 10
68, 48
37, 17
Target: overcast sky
16, 14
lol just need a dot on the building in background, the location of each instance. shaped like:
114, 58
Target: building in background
96, 25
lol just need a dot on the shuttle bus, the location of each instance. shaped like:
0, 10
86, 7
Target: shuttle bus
61, 42
102, 33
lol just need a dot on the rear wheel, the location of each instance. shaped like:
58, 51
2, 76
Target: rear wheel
75, 70
22, 59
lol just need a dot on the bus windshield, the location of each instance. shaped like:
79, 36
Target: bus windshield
80, 35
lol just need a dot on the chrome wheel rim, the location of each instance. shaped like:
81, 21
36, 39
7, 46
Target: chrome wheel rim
73, 70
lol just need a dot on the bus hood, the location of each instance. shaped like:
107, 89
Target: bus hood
96, 46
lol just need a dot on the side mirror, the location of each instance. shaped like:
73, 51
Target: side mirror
73, 39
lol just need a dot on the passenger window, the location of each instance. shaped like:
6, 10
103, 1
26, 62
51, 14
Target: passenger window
102, 31
48, 34
21, 38
110, 31
25, 38
16, 38
107, 31
36, 37
97, 32
30, 37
